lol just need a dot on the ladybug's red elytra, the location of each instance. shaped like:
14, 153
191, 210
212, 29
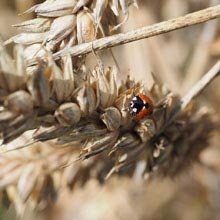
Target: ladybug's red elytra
141, 106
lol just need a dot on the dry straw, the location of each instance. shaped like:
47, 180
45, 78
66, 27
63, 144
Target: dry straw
82, 126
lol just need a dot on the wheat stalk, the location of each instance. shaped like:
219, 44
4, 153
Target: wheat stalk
192, 93
142, 33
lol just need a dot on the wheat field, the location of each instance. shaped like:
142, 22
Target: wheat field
71, 148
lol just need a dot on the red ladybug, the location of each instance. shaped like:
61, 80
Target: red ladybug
141, 106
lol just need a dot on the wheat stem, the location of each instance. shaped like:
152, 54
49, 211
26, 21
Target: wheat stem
145, 32
192, 93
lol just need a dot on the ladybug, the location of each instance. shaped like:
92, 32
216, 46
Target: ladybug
141, 106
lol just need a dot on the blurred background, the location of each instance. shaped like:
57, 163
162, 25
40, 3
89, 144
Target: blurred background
178, 59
